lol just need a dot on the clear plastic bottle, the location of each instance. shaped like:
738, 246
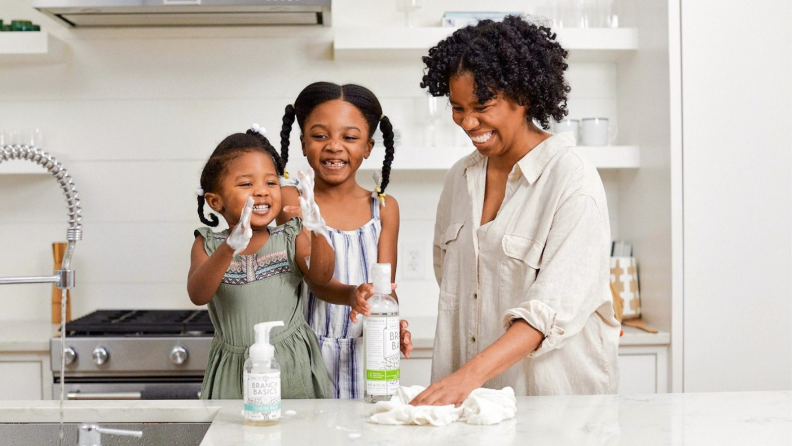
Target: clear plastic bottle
261, 380
381, 332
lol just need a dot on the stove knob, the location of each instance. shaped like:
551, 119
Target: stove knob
69, 355
178, 355
99, 356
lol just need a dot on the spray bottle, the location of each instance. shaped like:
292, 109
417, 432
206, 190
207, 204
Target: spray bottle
381, 331
261, 380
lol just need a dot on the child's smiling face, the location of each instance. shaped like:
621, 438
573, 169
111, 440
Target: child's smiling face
336, 140
251, 174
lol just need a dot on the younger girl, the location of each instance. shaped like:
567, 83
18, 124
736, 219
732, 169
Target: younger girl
254, 273
337, 124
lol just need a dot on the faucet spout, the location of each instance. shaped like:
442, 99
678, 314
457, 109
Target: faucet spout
64, 278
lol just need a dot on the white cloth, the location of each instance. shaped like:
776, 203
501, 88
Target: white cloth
543, 259
483, 406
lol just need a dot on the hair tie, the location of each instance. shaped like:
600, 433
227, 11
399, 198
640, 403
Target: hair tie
293, 106
285, 174
258, 129
200, 192
382, 116
377, 194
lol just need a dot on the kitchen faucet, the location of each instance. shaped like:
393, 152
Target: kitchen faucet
64, 277
90, 434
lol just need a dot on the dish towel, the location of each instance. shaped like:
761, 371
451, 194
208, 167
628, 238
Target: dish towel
483, 406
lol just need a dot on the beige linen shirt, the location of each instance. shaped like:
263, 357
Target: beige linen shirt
543, 259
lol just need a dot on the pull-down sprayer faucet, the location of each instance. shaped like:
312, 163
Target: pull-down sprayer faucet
64, 277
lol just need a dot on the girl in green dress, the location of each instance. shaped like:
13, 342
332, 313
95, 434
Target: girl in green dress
253, 273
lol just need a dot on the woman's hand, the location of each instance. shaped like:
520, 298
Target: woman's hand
406, 338
357, 300
453, 389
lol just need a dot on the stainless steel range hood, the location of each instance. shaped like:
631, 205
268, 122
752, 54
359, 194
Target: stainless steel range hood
136, 13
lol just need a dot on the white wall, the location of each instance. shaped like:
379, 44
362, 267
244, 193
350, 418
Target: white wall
737, 109
134, 114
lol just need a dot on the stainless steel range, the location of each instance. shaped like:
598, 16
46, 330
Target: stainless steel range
134, 354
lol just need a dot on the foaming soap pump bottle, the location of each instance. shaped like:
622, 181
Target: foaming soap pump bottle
381, 331
262, 380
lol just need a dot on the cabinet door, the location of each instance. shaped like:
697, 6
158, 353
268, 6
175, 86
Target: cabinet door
21, 380
417, 371
637, 374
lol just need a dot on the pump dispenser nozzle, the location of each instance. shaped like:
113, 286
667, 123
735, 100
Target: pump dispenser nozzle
262, 349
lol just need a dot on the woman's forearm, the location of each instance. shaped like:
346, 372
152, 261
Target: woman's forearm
519, 341
204, 281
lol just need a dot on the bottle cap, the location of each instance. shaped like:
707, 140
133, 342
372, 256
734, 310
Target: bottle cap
381, 277
262, 348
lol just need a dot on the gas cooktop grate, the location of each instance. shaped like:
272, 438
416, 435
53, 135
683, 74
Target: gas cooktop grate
142, 323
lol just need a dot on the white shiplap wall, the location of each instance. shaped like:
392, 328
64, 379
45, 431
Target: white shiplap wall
134, 113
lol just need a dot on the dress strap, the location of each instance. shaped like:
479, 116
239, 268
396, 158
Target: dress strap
375, 209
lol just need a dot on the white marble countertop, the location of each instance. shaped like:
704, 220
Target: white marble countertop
724, 419
26, 336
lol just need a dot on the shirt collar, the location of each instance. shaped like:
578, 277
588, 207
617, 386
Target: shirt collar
534, 162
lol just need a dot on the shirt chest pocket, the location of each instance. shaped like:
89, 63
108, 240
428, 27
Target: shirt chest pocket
452, 263
521, 263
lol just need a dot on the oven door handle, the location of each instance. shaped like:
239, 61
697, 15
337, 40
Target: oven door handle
104, 396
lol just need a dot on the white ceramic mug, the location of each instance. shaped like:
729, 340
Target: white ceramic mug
567, 125
597, 132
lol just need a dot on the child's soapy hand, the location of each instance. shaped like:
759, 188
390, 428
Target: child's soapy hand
406, 338
357, 300
312, 218
242, 233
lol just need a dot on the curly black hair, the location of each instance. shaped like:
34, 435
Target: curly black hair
514, 57
361, 97
229, 149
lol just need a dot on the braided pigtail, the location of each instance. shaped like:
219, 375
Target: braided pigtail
288, 121
212, 221
258, 132
387, 133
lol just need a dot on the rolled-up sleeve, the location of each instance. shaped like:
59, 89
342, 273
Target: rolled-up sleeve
573, 273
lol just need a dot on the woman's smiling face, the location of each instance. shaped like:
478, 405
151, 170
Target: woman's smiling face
336, 140
494, 126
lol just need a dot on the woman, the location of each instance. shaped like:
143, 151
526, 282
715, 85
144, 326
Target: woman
522, 235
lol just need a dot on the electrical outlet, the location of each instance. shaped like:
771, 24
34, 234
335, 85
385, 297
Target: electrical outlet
412, 264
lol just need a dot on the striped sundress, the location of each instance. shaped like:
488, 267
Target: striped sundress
340, 340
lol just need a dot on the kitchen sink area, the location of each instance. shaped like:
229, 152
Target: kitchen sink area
154, 434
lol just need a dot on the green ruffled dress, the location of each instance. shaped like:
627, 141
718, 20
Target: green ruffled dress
262, 287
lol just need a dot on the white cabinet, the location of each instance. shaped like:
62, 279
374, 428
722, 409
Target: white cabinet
25, 372
643, 361
737, 213
417, 371
25, 376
